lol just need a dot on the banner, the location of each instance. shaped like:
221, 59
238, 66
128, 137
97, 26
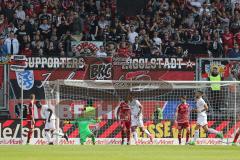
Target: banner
112, 129
36, 71
228, 68
86, 47
175, 64
54, 63
153, 69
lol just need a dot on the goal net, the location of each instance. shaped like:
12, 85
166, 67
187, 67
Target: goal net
159, 100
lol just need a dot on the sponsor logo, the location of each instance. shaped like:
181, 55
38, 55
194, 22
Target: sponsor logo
115, 141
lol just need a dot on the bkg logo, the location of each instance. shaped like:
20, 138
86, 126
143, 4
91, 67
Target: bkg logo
100, 71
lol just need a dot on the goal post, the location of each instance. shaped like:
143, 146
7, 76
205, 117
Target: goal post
70, 96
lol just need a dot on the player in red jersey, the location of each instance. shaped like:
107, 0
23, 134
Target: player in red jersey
182, 118
30, 117
124, 115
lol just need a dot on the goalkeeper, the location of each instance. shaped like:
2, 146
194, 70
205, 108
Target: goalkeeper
83, 122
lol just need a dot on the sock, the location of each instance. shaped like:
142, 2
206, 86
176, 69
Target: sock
147, 132
236, 137
48, 136
187, 136
210, 130
93, 139
135, 136
128, 136
179, 137
29, 136
123, 135
196, 135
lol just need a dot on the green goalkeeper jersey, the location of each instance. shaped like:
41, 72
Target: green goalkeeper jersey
83, 125
84, 121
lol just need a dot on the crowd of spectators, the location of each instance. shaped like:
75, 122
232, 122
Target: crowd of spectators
161, 28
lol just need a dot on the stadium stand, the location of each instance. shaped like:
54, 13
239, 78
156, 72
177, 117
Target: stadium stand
162, 28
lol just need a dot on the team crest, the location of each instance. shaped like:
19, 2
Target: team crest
27, 77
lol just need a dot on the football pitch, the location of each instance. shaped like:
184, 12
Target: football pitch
112, 152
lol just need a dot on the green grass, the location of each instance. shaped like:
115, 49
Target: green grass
112, 152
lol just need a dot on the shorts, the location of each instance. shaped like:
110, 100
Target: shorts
137, 121
30, 124
202, 120
183, 125
126, 124
50, 125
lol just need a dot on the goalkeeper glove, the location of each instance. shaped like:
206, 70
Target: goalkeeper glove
66, 122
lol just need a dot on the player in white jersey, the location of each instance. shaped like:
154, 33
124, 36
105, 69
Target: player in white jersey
201, 110
137, 118
50, 123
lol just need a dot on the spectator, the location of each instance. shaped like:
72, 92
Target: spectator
101, 52
111, 49
145, 44
12, 44
3, 47
102, 23
44, 15
61, 52
234, 53
20, 34
51, 50
204, 10
76, 25
228, 38
67, 43
137, 50
45, 29
3, 24
37, 50
157, 40
224, 19
114, 35
9, 12
132, 34
155, 51
179, 52
29, 27
93, 27
216, 49
196, 38
62, 27
170, 50
157, 25
206, 38
20, 13
237, 37
27, 50
123, 50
